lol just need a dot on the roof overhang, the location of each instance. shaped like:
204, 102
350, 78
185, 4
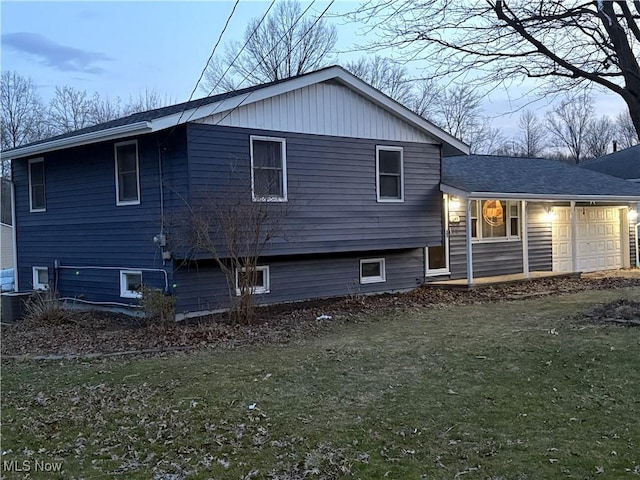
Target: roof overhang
537, 197
451, 144
122, 131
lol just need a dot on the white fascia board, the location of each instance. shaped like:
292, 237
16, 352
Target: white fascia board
537, 196
78, 140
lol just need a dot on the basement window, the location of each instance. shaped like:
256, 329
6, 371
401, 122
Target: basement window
40, 278
257, 281
372, 270
130, 283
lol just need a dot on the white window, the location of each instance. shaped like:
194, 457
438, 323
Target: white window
389, 174
437, 260
372, 270
268, 169
130, 283
495, 220
40, 278
258, 284
37, 202
127, 173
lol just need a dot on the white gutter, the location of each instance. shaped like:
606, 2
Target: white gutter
538, 196
78, 140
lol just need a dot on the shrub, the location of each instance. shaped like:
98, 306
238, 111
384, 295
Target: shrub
157, 306
44, 307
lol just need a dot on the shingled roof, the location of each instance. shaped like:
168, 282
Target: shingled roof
622, 164
478, 176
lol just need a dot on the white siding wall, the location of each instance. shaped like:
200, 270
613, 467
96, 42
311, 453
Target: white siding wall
6, 246
321, 109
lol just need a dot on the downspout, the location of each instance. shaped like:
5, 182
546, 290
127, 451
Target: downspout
469, 244
14, 236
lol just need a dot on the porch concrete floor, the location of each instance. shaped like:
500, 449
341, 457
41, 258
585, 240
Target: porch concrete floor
461, 284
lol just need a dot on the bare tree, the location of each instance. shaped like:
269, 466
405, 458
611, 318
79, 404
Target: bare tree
560, 43
626, 134
149, 100
22, 111
425, 97
458, 110
568, 123
287, 43
69, 110
235, 231
104, 109
599, 137
531, 138
385, 75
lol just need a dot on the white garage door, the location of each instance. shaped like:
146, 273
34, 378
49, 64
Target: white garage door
598, 239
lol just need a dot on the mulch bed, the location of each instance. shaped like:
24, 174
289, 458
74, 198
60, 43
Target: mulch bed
90, 333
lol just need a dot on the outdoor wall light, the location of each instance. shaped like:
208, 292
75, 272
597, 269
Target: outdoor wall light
454, 203
549, 215
633, 214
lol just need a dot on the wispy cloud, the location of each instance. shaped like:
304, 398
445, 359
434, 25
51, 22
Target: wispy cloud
54, 55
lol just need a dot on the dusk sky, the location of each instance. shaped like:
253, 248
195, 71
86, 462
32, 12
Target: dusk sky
122, 48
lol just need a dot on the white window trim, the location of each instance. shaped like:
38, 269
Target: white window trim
283, 146
445, 222
124, 292
31, 209
266, 288
115, 159
383, 271
36, 284
395, 149
478, 217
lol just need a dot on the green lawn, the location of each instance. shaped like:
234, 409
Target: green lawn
514, 390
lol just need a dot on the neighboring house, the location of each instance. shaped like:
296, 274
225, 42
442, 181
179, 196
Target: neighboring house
512, 215
6, 225
96, 208
623, 164
360, 172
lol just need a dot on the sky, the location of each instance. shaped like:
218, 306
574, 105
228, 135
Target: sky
121, 49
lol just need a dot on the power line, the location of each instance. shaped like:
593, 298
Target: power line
292, 48
213, 51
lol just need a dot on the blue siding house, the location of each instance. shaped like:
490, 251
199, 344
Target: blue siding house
102, 210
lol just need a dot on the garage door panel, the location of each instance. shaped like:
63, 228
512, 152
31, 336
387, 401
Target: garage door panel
598, 239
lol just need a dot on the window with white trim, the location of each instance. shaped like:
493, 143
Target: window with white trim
130, 283
495, 220
259, 283
389, 174
372, 270
127, 173
40, 278
37, 198
268, 169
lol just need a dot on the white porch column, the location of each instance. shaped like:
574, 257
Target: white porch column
574, 236
468, 237
525, 238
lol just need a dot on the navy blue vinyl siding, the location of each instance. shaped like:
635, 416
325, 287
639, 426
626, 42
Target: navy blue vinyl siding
202, 287
83, 227
332, 205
